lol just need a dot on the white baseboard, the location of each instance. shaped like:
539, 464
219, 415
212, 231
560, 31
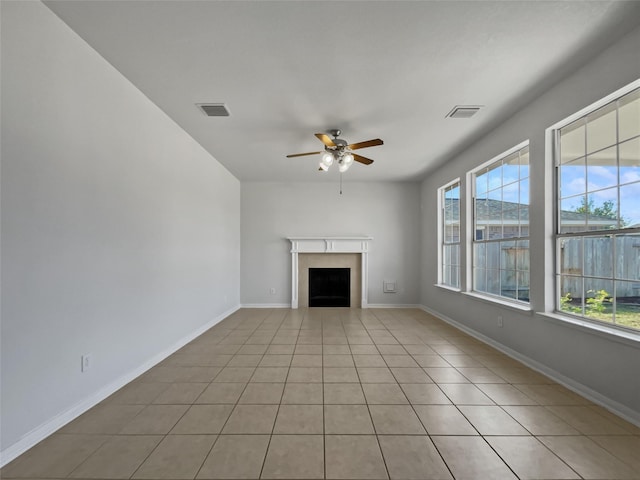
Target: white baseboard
52, 425
393, 305
266, 305
613, 406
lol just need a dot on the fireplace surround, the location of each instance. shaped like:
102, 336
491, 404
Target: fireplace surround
330, 252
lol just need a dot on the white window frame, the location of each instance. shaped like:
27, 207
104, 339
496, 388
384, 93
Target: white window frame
552, 298
441, 240
471, 231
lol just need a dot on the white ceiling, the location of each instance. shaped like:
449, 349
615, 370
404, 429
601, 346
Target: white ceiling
374, 69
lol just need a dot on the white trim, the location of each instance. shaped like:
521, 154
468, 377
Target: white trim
441, 224
502, 301
594, 106
42, 431
266, 305
626, 337
327, 244
444, 286
617, 408
501, 156
392, 305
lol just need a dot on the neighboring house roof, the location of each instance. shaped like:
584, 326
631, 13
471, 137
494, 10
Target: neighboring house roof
510, 212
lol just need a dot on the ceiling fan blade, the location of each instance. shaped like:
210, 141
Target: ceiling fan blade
361, 159
302, 154
369, 143
325, 139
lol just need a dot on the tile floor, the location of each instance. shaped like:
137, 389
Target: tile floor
338, 394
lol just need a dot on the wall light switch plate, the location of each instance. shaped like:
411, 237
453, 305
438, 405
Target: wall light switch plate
86, 362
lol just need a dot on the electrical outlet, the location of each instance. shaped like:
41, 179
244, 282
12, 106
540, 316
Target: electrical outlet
273, 290
86, 362
500, 322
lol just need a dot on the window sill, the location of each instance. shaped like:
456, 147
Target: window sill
520, 307
447, 287
610, 333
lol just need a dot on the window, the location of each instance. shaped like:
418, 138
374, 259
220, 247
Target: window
501, 225
597, 158
449, 200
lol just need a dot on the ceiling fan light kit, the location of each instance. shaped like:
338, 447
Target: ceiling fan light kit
337, 150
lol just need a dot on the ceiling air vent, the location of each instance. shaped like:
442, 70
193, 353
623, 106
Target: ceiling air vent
214, 109
464, 111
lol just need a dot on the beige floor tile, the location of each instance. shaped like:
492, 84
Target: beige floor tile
444, 420
253, 349
307, 361
340, 375
336, 350
399, 361
302, 394
461, 360
245, 361
376, 375
119, 457
419, 349
374, 360
181, 393
364, 350
235, 457
384, 394
470, 458
251, 419
347, 419
540, 421
492, 420
262, 393
203, 419
530, 459
551, 395
155, 420
392, 350
587, 421
138, 393
354, 457
283, 349
54, 457
465, 394
270, 375
412, 458
294, 457
424, 394
177, 457
522, 376
204, 374
504, 394
305, 375
308, 350
337, 361
480, 375
623, 447
276, 361
395, 420
299, 419
222, 393
588, 459
445, 375
234, 374
410, 375
628, 426
103, 419
343, 393
430, 361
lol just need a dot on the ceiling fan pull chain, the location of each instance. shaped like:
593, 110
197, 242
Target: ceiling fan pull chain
340, 183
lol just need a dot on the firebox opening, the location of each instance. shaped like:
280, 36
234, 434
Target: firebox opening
329, 287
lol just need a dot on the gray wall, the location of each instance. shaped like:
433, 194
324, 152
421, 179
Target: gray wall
600, 362
120, 234
273, 211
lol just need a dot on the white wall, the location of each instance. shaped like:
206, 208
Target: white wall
273, 211
601, 365
120, 234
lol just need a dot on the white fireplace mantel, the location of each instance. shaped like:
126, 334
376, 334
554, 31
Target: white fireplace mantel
352, 244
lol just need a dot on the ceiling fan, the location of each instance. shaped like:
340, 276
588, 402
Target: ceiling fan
337, 150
